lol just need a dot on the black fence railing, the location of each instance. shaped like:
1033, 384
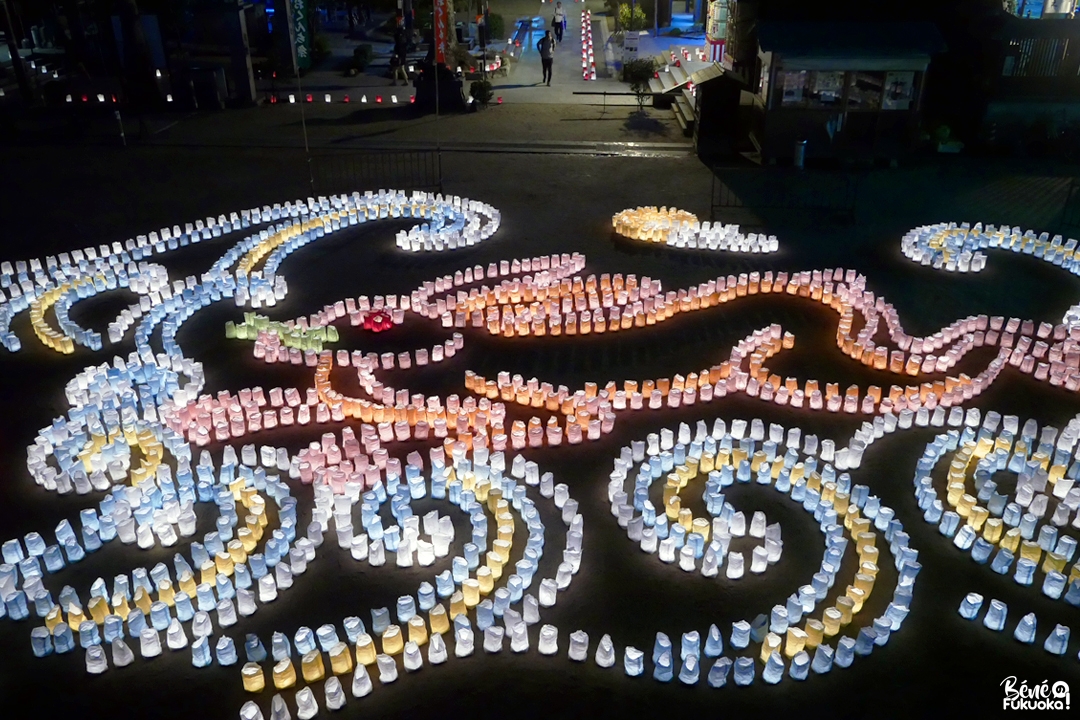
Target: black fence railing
819, 195
1070, 213
350, 171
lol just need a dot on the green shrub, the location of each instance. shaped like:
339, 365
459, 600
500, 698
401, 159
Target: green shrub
481, 91
496, 27
362, 56
638, 73
675, 32
320, 48
641, 70
637, 21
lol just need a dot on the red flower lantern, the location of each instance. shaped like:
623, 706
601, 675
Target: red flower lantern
378, 321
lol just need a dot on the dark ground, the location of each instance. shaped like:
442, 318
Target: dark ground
556, 203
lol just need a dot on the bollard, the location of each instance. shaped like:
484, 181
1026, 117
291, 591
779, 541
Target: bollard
800, 154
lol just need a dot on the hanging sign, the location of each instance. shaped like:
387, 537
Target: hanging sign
443, 29
301, 33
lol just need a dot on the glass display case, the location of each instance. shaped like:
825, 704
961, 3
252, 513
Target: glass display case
812, 88
865, 90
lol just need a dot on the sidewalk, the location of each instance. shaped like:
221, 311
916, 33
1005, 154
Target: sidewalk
354, 126
349, 125
570, 112
567, 86
520, 85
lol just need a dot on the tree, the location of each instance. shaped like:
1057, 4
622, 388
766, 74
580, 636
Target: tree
632, 17
638, 73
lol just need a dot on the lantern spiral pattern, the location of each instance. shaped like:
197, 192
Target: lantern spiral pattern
847, 515
155, 450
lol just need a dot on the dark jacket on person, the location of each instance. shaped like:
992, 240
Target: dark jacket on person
544, 46
401, 45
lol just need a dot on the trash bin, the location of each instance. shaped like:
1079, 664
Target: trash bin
800, 153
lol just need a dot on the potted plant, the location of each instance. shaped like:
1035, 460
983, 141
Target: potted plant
361, 58
945, 143
481, 92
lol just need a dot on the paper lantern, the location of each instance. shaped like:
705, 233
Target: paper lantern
334, 694
463, 642
365, 650
284, 674
392, 641
1057, 642
361, 685
1025, 629
253, 678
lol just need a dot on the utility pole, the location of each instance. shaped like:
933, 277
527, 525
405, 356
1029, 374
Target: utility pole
16, 61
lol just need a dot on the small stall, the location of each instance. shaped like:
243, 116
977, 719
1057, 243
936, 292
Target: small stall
849, 89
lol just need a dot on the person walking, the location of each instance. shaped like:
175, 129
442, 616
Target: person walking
400, 57
545, 48
559, 22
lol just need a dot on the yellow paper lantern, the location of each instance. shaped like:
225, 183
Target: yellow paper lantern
831, 620
392, 641
99, 608
284, 674
770, 645
365, 650
815, 633
341, 661
311, 665
457, 600
417, 630
254, 679
795, 642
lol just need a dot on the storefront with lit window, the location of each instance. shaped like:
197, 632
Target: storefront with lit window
1042, 9
847, 89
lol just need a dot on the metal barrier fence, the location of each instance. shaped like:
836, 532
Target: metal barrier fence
1070, 213
350, 171
821, 195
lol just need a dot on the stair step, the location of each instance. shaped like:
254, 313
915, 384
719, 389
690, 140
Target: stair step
686, 110
681, 120
686, 53
667, 81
